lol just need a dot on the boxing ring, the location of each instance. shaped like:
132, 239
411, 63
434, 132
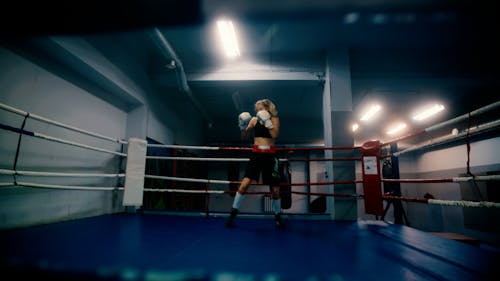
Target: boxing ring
193, 244
167, 247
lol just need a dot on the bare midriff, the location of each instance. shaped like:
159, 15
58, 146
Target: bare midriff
263, 141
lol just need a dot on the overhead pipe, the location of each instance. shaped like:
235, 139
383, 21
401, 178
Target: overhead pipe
464, 116
446, 123
451, 137
176, 63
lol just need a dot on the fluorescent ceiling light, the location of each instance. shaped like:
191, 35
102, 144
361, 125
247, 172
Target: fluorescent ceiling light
370, 113
355, 127
228, 37
396, 128
428, 112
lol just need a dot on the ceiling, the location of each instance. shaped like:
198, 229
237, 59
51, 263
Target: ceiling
401, 54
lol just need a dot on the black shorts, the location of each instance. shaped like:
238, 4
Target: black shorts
265, 163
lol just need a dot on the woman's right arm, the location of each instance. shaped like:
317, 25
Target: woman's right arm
246, 133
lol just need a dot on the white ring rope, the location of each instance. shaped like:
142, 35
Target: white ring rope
59, 124
215, 159
198, 158
444, 180
459, 203
185, 190
184, 146
477, 178
188, 179
52, 174
462, 203
39, 135
31, 184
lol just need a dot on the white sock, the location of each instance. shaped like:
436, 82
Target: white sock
237, 200
277, 206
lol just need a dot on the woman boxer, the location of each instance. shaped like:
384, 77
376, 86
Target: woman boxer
265, 126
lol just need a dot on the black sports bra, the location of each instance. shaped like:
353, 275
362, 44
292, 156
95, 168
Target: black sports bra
261, 131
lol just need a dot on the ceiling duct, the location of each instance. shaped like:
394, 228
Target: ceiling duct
170, 55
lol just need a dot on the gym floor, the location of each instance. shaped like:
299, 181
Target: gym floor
134, 246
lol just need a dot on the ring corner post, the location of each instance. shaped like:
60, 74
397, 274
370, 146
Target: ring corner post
372, 183
134, 173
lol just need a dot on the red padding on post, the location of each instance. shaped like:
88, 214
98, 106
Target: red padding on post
372, 188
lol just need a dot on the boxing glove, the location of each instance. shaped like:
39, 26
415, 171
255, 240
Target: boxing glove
243, 120
265, 118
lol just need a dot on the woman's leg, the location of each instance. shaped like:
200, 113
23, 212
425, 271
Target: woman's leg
238, 199
277, 206
240, 194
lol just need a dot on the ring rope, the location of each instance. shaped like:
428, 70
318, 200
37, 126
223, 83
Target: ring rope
325, 159
74, 187
250, 192
249, 148
200, 159
459, 203
185, 190
247, 159
464, 203
317, 148
238, 182
325, 183
79, 145
46, 137
329, 194
52, 174
59, 124
454, 179
185, 146
189, 179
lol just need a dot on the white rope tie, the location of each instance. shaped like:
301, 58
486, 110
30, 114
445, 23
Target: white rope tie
462, 203
477, 178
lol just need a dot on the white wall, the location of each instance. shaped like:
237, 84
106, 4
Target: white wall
97, 95
484, 152
33, 89
451, 162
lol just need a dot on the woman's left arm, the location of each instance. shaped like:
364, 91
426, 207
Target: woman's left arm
276, 127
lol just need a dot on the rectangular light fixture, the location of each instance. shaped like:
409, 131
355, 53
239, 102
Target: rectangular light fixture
428, 112
370, 113
228, 37
396, 128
